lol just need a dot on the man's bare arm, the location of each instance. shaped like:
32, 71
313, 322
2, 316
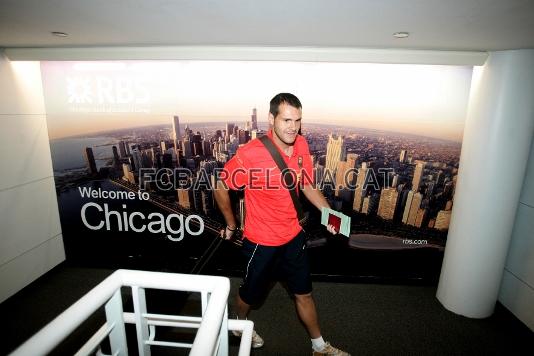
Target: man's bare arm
223, 201
315, 196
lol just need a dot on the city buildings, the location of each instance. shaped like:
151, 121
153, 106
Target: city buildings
418, 176
361, 189
443, 220
90, 160
176, 133
403, 157
254, 119
335, 153
388, 203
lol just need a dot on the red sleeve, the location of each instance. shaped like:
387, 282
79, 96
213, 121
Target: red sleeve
235, 172
307, 170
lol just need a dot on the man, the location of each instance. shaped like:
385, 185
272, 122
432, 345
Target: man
274, 241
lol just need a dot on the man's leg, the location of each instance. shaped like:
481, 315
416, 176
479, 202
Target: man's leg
242, 308
258, 261
297, 272
296, 269
308, 314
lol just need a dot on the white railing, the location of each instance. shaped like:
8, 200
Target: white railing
213, 324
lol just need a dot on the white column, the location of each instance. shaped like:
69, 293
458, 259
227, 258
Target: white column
495, 149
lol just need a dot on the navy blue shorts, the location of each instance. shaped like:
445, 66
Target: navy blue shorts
288, 263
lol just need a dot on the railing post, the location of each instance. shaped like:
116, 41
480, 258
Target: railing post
204, 298
114, 317
141, 325
223, 335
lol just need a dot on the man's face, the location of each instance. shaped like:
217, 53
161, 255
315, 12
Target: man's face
286, 124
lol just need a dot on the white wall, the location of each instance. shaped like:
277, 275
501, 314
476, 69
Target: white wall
517, 288
30, 233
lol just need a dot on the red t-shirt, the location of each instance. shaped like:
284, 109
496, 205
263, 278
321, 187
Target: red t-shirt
271, 218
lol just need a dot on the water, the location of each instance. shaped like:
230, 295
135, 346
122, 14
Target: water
68, 153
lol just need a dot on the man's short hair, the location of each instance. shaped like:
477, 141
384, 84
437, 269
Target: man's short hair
287, 98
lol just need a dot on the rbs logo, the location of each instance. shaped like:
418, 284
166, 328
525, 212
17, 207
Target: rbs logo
105, 90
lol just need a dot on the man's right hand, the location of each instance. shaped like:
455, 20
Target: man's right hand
228, 233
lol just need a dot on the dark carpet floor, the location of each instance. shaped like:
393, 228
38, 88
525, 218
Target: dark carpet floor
364, 319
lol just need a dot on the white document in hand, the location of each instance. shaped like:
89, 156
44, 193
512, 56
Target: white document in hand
340, 221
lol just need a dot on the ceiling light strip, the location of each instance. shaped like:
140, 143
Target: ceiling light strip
306, 54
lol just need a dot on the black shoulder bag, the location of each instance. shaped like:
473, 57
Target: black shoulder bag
288, 178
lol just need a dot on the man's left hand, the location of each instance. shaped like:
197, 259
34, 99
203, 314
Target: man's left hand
331, 229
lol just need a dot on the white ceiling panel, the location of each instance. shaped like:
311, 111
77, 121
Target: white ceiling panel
474, 25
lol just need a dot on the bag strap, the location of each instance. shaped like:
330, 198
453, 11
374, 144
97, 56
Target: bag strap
288, 178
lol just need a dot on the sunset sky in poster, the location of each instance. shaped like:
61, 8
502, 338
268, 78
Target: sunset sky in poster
428, 100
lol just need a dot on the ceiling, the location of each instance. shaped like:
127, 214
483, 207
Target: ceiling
474, 25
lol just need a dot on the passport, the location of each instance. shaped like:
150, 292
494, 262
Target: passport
335, 221
340, 221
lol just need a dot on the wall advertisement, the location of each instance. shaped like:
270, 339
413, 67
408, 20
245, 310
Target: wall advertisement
137, 145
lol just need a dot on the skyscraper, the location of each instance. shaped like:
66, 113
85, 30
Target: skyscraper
90, 160
148, 157
137, 159
163, 145
395, 181
352, 159
361, 189
418, 175
188, 132
116, 159
166, 160
185, 198
125, 170
407, 207
131, 162
254, 119
122, 149
402, 158
370, 204
420, 217
346, 176
243, 136
335, 152
206, 147
414, 209
186, 147
430, 190
439, 178
207, 202
388, 203
443, 220
128, 175
196, 144
176, 136
229, 131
